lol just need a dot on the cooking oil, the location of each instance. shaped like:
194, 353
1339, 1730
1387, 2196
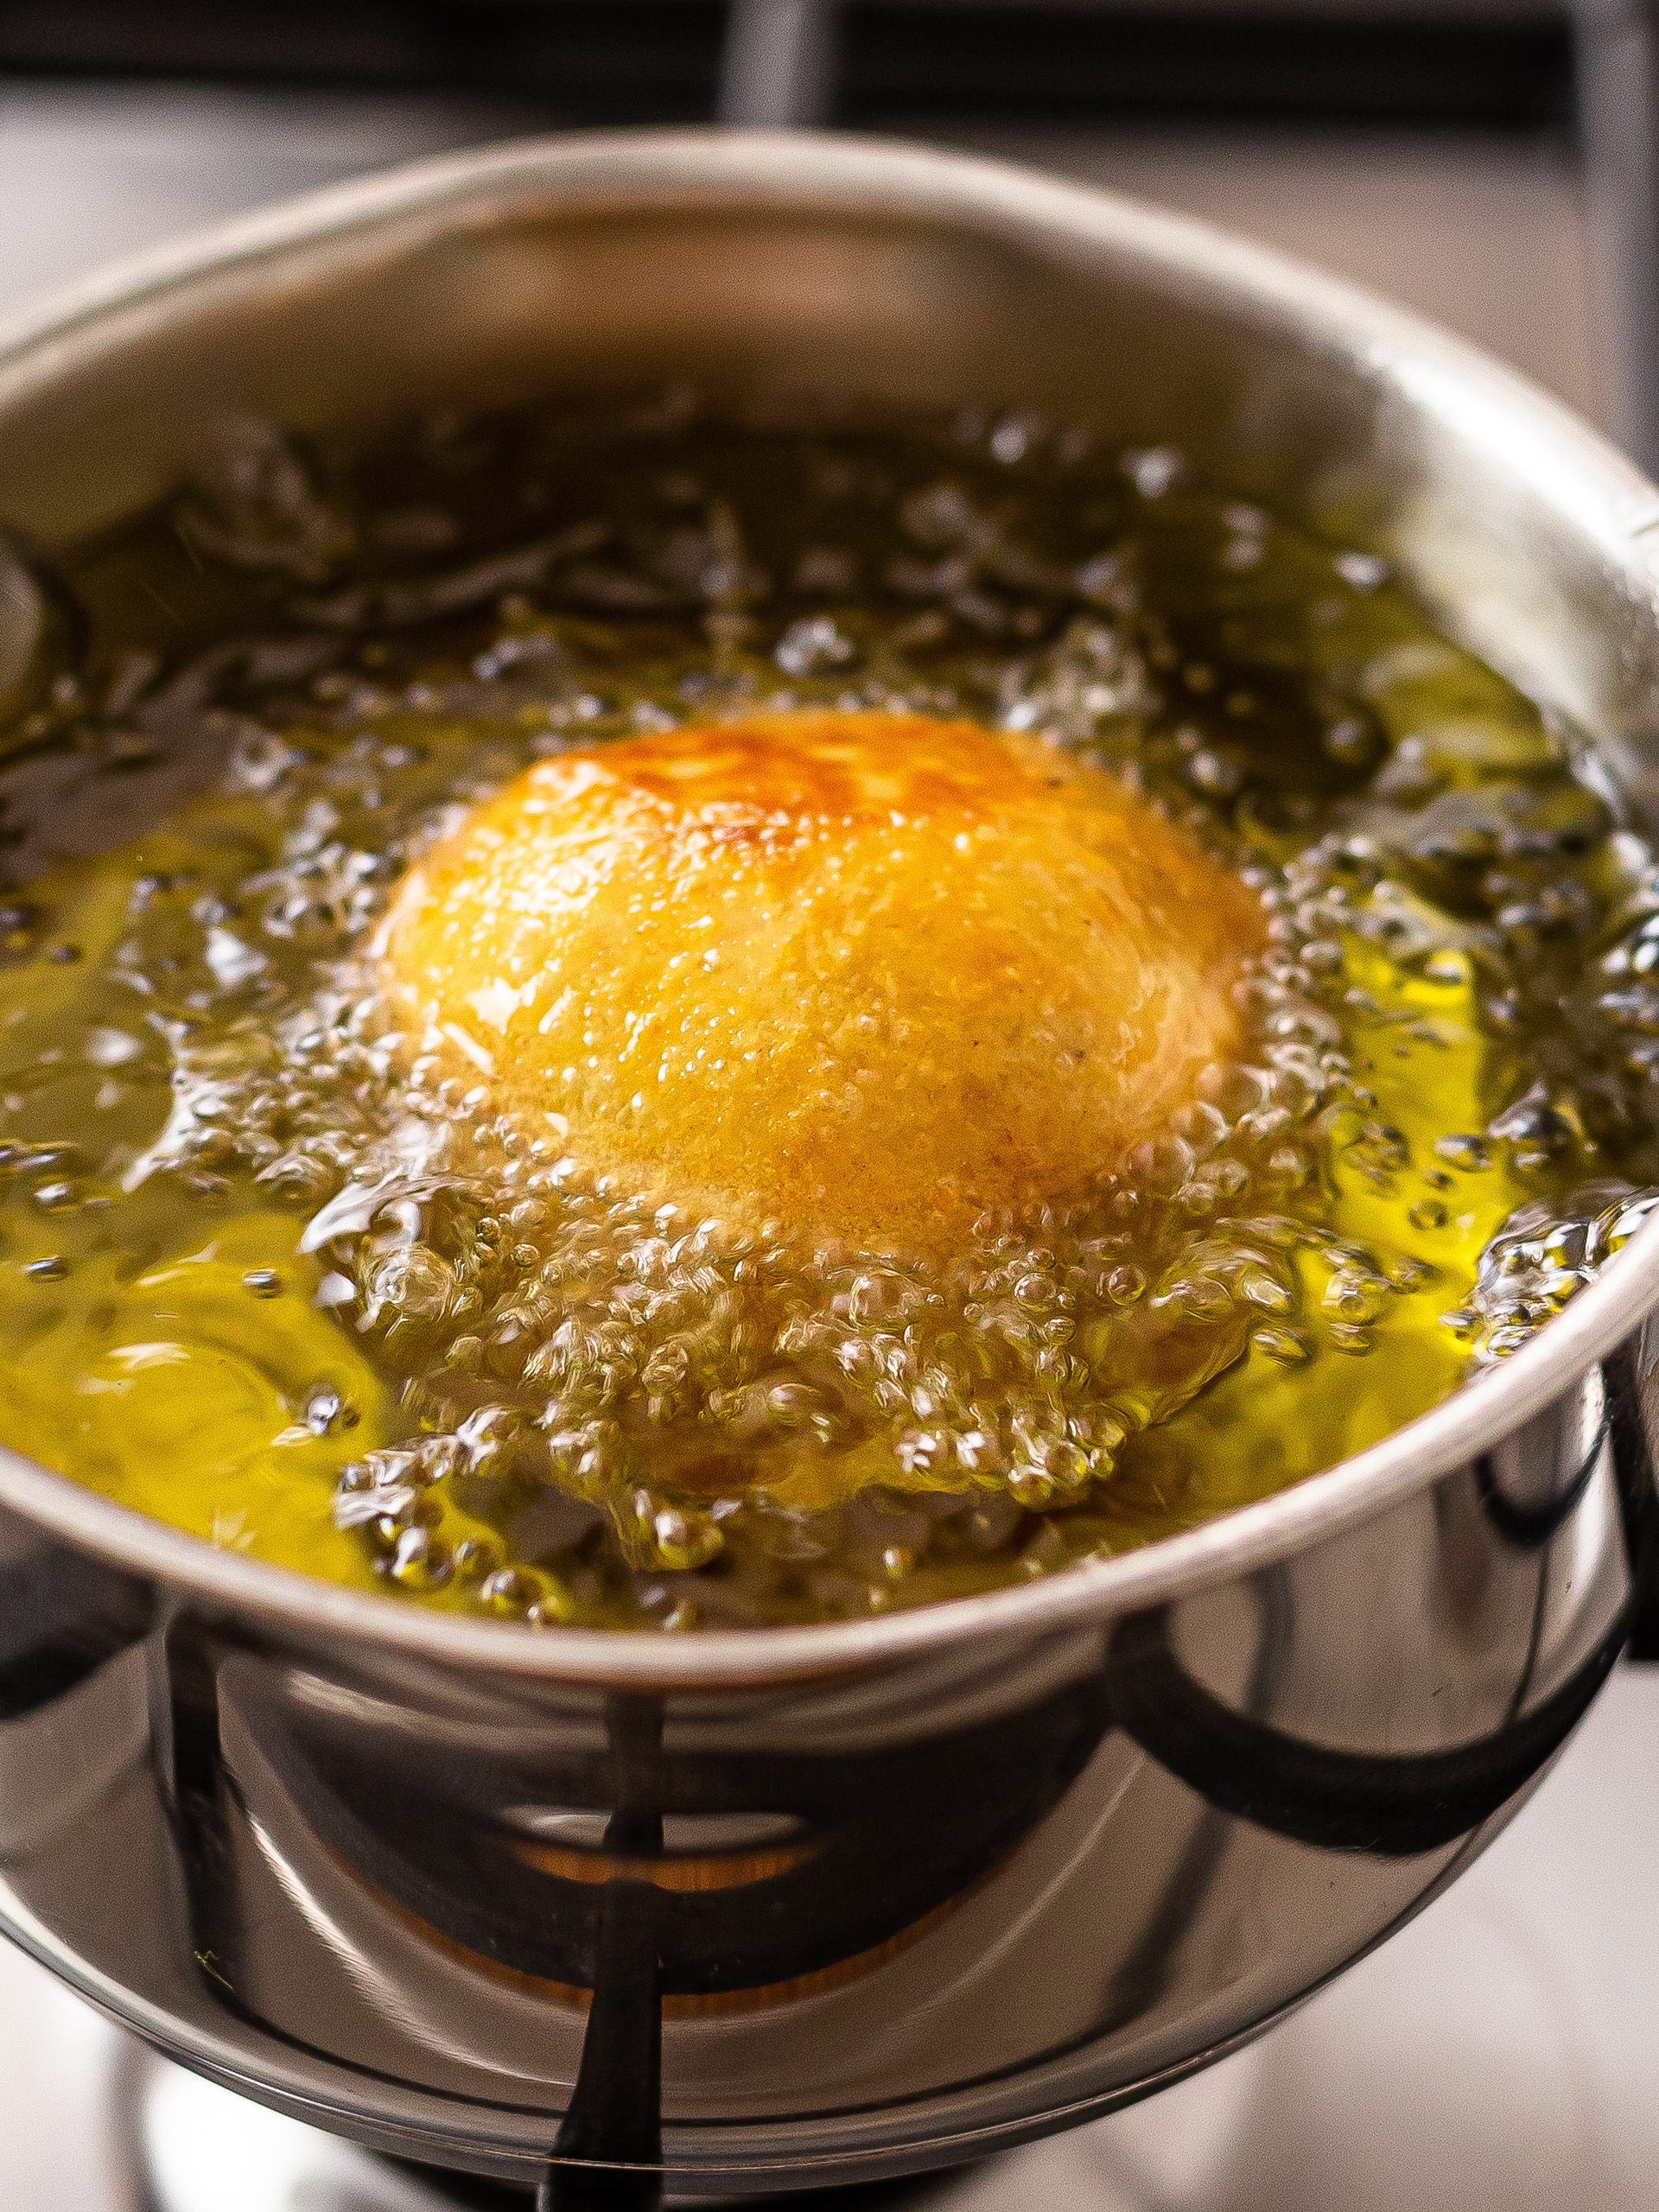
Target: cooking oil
267, 1274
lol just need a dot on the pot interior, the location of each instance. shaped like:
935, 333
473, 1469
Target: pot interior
766, 272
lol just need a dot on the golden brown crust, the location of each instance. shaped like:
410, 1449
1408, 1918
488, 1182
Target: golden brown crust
867, 974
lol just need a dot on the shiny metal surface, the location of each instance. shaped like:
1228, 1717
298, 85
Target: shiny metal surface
765, 1910
1497, 2055
1485, 234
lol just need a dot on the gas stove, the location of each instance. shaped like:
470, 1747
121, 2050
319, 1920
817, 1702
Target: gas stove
1501, 2052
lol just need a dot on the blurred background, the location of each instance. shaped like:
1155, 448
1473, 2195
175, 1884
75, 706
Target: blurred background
1489, 161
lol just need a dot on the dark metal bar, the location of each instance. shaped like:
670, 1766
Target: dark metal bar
1498, 64
607, 2156
574, 61
778, 69
1265, 61
1617, 76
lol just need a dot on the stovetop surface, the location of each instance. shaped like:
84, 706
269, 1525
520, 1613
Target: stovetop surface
1500, 2055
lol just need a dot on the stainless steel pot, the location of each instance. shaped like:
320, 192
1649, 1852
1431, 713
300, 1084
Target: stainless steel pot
761, 1911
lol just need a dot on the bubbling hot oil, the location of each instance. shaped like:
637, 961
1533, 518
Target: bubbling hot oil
269, 1277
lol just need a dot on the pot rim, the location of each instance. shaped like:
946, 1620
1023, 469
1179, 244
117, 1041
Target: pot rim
1569, 465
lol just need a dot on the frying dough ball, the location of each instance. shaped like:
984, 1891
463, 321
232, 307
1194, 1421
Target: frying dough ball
868, 975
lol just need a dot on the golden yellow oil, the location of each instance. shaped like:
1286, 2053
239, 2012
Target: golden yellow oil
262, 1278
